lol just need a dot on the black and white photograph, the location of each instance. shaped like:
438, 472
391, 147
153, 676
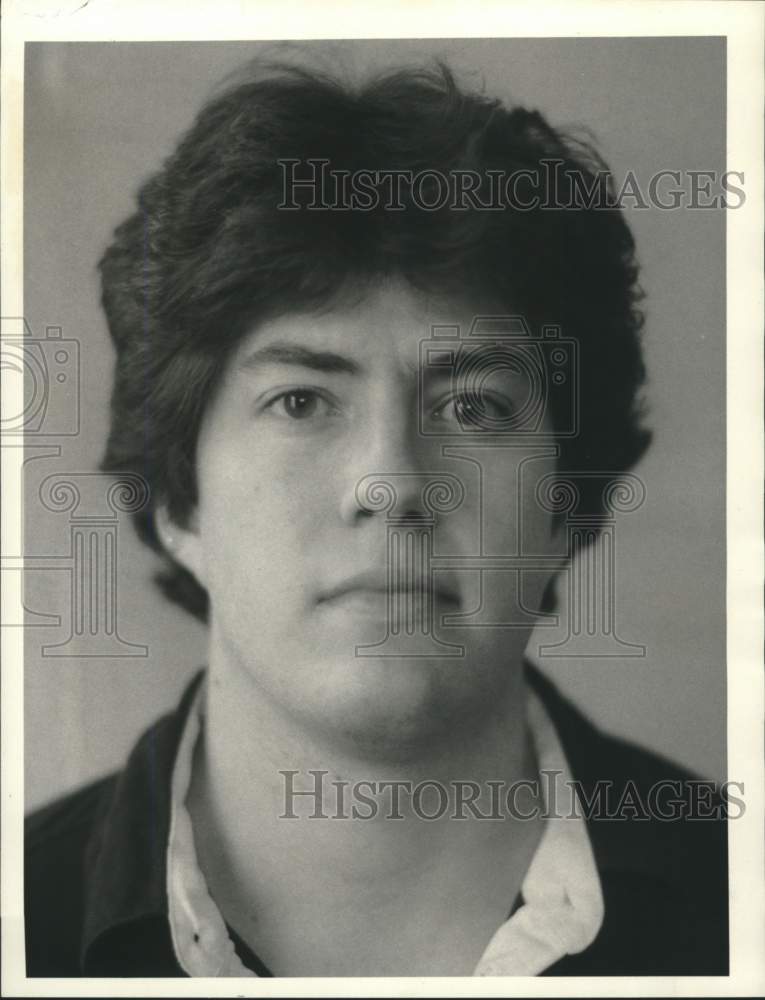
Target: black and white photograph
382, 487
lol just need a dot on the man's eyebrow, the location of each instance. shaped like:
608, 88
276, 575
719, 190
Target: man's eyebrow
298, 355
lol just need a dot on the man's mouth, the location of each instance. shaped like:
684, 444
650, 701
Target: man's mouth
371, 590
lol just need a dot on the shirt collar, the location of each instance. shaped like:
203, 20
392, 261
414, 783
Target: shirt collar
562, 897
562, 908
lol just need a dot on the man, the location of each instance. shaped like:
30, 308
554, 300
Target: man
337, 313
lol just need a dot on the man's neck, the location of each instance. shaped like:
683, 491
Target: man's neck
356, 853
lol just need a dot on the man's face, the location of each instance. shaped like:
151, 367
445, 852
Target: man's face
296, 554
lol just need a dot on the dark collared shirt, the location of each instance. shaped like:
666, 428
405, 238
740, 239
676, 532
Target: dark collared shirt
96, 863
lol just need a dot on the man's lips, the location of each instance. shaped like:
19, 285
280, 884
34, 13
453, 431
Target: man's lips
371, 587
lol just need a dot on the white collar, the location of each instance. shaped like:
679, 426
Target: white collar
562, 907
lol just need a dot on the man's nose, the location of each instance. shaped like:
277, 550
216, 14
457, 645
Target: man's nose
388, 468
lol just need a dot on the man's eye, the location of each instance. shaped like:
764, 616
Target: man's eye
475, 408
300, 404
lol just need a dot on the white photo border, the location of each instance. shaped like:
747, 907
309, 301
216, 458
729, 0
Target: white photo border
742, 25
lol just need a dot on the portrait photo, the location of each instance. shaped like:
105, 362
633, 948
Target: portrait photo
372, 446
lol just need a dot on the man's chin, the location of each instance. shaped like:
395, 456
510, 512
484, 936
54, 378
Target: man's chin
402, 707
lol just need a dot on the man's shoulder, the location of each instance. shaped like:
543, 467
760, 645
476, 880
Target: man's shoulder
94, 857
597, 755
659, 837
57, 841
67, 815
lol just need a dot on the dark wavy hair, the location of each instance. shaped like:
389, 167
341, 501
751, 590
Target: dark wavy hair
208, 255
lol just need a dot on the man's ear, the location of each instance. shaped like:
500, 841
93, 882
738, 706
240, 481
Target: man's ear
182, 543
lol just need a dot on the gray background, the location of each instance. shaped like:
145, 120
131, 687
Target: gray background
100, 116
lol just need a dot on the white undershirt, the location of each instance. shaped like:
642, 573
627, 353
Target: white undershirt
562, 907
